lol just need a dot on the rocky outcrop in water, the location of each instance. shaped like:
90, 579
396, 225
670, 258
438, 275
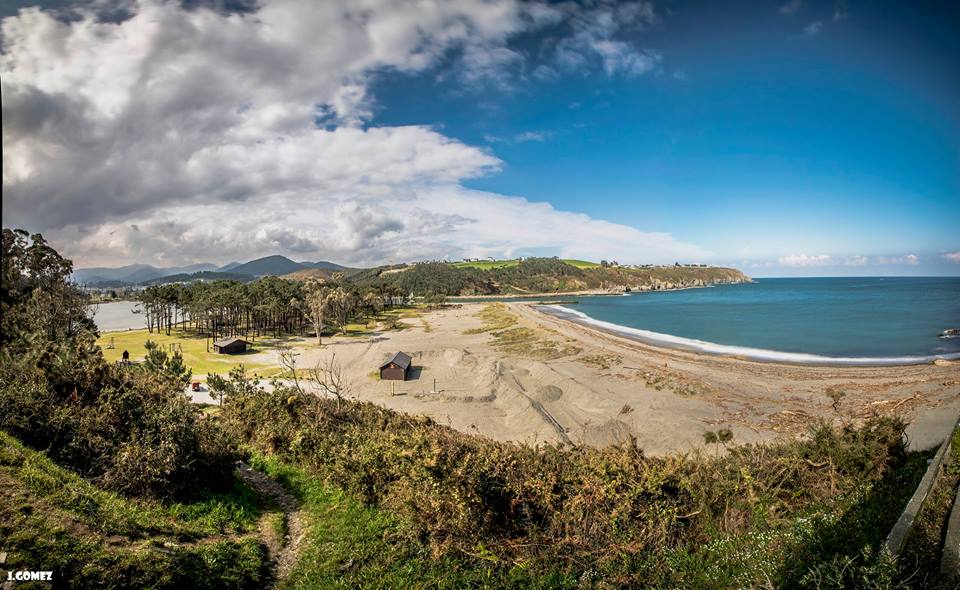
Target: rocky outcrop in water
950, 333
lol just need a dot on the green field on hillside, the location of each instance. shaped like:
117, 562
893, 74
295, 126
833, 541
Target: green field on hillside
581, 263
489, 264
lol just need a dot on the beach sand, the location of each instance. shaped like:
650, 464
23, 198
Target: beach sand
571, 383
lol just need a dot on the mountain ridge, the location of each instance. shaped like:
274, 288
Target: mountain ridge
134, 274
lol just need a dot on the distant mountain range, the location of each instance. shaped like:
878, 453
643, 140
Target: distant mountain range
136, 274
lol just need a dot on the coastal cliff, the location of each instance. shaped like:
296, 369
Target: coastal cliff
670, 278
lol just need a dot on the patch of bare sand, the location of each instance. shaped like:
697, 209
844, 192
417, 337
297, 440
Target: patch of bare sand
603, 389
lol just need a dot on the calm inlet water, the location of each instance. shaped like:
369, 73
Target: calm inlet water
117, 315
824, 320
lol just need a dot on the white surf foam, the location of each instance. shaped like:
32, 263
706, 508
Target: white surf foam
761, 354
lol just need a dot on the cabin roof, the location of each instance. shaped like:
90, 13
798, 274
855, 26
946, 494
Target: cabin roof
401, 359
229, 341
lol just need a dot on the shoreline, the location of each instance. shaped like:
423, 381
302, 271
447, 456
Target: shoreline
669, 342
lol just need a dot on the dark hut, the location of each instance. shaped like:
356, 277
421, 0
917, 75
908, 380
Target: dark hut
230, 346
396, 368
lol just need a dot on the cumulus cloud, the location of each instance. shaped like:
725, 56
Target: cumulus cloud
857, 261
908, 259
951, 256
806, 260
174, 135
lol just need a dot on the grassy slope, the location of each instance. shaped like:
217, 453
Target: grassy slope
488, 264
51, 518
352, 545
396, 501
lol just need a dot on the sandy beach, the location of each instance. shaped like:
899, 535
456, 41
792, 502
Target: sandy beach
572, 383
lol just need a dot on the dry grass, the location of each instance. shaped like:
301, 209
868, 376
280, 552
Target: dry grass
601, 361
523, 341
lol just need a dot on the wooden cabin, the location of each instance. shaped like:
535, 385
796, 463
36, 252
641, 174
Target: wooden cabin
230, 346
396, 368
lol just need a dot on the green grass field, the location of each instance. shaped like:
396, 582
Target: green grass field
488, 264
581, 263
194, 350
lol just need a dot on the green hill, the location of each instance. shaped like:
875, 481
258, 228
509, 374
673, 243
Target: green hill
540, 275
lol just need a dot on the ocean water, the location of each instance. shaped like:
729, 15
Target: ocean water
848, 320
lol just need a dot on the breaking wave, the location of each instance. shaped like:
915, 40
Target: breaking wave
760, 354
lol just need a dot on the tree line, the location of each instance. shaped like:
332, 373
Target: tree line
269, 306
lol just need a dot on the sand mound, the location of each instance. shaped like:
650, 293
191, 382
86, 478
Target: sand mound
457, 357
549, 393
611, 432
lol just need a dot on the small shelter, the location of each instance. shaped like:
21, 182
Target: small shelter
396, 368
230, 346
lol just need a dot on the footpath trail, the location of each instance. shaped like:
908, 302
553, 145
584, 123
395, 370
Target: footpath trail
282, 552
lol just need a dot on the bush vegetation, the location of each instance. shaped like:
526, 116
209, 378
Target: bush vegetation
127, 427
613, 515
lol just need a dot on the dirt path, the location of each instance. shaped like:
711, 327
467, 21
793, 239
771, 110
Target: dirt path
282, 552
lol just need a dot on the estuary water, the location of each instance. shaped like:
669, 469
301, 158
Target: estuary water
117, 315
843, 320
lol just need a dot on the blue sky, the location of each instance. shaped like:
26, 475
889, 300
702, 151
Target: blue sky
753, 138
785, 138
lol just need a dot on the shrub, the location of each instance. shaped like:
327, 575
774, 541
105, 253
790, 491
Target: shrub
128, 427
464, 494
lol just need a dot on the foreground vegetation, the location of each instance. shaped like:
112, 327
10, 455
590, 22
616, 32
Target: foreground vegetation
922, 551
110, 478
53, 519
512, 515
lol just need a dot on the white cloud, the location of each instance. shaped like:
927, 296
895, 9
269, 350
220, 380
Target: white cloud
908, 259
951, 256
813, 28
182, 135
532, 136
594, 35
805, 260
438, 222
791, 7
857, 261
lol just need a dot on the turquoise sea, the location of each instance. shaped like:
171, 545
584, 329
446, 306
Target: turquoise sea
848, 320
